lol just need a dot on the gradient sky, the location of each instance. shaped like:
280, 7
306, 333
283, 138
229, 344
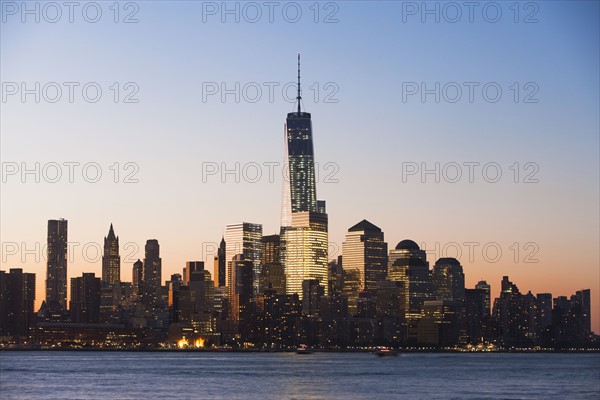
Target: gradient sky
370, 133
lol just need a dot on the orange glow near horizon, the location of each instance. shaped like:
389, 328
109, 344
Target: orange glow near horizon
537, 278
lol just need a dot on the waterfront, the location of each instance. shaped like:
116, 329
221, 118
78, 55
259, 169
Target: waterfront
136, 375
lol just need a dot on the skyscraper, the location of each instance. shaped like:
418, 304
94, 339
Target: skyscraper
299, 189
245, 239
17, 296
448, 279
84, 305
582, 297
312, 291
240, 288
406, 249
190, 268
221, 266
271, 250
152, 273
272, 273
306, 249
111, 261
544, 301
137, 277
365, 251
304, 245
56, 273
483, 285
408, 264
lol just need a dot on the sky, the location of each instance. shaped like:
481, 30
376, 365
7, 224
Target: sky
472, 131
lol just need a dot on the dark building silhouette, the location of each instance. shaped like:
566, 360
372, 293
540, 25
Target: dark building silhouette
280, 323
56, 273
441, 323
111, 261
476, 315
152, 273
483, 285
544, 301
582, 299
240, 293
3, 306
221, 267
570, 320
17, 297
271, 250
312, 291
448, 279
408, 265
200, 282
137, 277
351, 289
272, 276
335, 278
390, 304
84, 306
181, 301
515, 315
190, 268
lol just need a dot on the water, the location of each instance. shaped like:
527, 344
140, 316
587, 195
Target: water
113, 375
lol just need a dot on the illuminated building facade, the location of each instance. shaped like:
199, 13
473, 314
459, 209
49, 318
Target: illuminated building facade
245, 239
365, 252
306, 251
304, 245
299, 186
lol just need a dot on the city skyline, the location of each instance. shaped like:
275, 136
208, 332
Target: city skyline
371, 148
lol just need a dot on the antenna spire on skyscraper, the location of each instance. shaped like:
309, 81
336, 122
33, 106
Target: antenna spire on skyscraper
299, 97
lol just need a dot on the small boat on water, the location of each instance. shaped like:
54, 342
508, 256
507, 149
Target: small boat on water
385, 352
303, 349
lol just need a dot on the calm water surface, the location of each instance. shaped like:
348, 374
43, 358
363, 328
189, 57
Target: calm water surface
112, 375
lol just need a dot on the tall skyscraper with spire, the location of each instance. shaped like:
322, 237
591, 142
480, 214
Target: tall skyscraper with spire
304, 238
299, 186
56, 272
111, 260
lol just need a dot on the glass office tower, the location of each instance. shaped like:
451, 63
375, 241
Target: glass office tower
303, 246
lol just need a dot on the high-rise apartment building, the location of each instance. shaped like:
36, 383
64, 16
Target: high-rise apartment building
56, 272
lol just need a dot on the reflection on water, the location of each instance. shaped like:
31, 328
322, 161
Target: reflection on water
112, 375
